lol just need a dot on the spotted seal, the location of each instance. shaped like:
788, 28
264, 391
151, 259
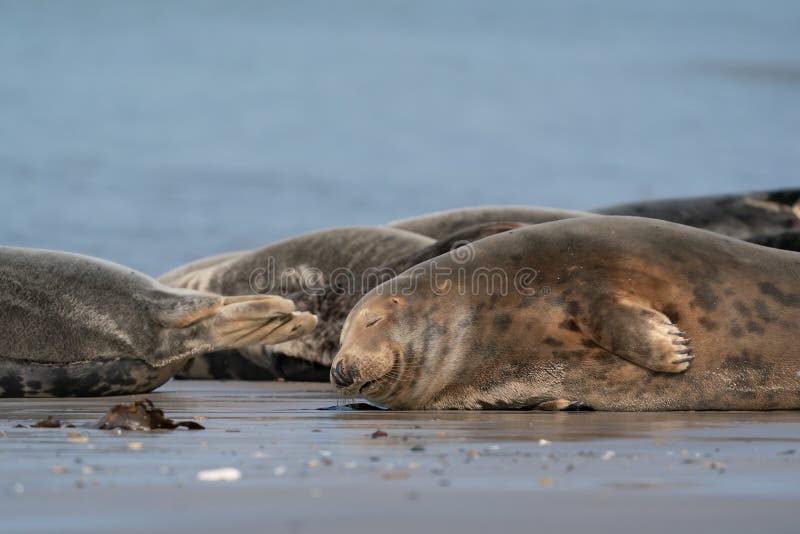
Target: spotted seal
80, 326
612, 313
747, 216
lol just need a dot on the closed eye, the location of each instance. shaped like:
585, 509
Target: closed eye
374, 322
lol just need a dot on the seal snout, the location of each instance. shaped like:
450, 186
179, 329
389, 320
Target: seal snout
342, 376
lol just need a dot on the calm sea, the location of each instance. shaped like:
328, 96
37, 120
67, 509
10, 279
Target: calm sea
154, 132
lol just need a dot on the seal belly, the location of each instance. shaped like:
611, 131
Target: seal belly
122, 376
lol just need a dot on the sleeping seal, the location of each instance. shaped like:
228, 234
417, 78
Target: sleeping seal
611, 313
298, 267
742, 216
324, 273
79, 326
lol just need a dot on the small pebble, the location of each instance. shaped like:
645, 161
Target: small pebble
223, 474
379, 434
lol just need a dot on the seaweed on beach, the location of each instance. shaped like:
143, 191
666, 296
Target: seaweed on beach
141, 415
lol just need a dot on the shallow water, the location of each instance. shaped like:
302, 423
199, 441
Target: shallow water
152, 133
305, 469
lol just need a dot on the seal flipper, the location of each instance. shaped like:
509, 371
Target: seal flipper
251, 320
637, 333
195, 326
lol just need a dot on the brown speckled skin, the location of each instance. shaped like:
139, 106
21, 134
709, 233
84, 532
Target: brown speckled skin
738, 302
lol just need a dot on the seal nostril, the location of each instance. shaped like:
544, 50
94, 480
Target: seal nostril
339, 376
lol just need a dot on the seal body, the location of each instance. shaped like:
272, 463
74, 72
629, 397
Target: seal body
300, 263
612, 313
441, 224
751, 216
748, 216
74, 325
199, 265
324, 273
319, 269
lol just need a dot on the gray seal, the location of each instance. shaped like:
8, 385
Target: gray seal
343, 264
80, 326
441, 224
611, 313
750, 216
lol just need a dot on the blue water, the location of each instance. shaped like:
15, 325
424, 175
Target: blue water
151, 133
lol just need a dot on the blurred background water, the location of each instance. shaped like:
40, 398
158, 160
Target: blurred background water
154, 132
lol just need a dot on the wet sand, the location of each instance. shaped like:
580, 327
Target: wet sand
310, 470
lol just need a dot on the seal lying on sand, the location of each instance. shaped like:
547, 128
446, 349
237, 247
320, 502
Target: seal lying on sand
74, 325
742, 216
302, 267
611, 313
344, 264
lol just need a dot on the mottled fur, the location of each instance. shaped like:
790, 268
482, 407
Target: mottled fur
383, 251
747, 216
617, 301
74, 325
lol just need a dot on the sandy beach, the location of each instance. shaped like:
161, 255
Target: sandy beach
304, 469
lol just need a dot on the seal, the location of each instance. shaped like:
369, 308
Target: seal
441, 224
328, 272
746, 216
299, 267
784, 240
297, 263
197, 265
743, 216
80, 326
609, 313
